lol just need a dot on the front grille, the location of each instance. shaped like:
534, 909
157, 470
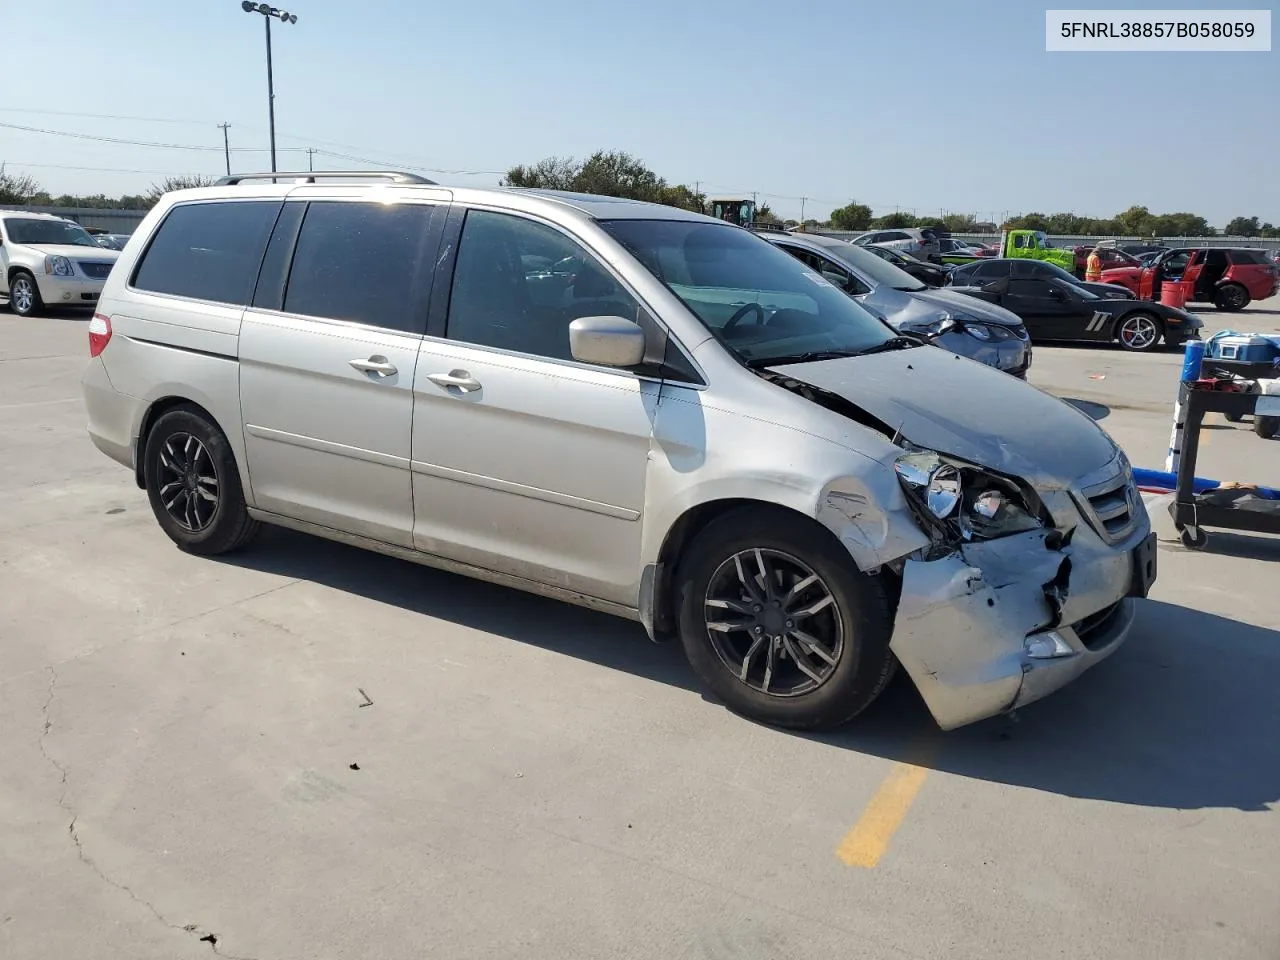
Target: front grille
1109, 503
97, 269
1093, 628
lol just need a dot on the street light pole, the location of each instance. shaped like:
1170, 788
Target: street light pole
271, 96
269, 13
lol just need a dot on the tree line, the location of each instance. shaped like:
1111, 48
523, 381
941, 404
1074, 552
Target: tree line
613, 173
25, 191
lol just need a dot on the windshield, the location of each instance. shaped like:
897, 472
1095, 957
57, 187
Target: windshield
879, 269
757, 300
1058, 272
48, 231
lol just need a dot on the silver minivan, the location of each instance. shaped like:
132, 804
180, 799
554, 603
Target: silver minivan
626, 406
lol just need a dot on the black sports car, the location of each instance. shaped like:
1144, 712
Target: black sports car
927, 273
986, 271
1053, 309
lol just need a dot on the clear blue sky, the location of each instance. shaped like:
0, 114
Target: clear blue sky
924, 104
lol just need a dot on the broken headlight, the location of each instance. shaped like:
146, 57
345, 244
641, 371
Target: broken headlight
964, 501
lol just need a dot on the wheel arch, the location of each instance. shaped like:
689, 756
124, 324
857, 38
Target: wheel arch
157, 409
658, 578
1146, 311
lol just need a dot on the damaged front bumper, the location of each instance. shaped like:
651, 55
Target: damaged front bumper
999, 624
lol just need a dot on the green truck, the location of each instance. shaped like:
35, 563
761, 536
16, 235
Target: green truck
1028, 244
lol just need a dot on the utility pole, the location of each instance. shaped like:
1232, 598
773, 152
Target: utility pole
311, 152
802, 200
226, 145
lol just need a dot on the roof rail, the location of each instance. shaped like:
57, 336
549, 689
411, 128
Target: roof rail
310, 176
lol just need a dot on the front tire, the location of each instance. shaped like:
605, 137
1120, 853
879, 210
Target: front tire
194, 486
779, 622
1266, 427
1231, 297
1139, 332
24, 295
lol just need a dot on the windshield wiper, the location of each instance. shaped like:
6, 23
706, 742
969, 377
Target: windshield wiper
755, 363
893, 343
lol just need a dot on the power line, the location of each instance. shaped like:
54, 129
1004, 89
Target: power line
384, 163
124, 141
101, 116
63, 166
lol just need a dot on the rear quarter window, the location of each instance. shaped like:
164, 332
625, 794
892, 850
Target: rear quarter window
1243, 257
208, 251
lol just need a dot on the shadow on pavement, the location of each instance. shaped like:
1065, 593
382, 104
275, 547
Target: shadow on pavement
1185, 715
1245, 546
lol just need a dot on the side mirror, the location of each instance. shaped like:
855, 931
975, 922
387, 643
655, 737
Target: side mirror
606, 341
1056, 293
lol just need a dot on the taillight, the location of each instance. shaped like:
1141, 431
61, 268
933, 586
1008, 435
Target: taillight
99, 333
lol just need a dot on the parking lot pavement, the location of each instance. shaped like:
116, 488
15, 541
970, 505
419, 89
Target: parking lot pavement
309, 751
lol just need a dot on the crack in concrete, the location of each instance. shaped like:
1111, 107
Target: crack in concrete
88, 861
158, 628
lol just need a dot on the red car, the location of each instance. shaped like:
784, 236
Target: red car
1227, 278
1111, 259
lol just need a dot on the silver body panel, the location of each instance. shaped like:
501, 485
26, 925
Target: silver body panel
567, 479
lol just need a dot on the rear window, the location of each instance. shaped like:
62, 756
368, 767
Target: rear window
1258, 257
208, 251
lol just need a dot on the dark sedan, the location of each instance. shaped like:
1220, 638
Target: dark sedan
1056, 309
929, 274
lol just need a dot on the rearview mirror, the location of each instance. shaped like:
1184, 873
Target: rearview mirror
606, 341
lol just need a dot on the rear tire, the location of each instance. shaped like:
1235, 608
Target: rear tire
1231, 297
815, 655
1139, 332
194, 486
24, 294
1266, 427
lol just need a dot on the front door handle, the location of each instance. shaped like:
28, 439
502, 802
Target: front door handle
375, 364
455, 378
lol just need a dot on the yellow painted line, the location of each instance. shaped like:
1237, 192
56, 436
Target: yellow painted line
868, 841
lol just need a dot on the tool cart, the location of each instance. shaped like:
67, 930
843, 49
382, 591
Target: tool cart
1192, 511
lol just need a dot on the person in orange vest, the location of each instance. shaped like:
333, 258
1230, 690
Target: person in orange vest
1093, 266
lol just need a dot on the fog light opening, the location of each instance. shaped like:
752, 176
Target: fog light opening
1047, 646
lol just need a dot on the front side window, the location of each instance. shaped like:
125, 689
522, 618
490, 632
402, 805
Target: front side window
758, 301
208, 251
363, 262
36, 231
518, 284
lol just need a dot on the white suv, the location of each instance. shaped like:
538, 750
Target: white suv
48, 261
626, 406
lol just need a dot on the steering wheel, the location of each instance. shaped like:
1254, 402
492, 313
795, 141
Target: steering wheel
742, 311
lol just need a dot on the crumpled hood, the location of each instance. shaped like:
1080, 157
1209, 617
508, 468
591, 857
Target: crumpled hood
952, 405
75, 251
921, 307
955, 302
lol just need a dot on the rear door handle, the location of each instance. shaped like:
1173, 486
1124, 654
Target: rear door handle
455, 378
375, 364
